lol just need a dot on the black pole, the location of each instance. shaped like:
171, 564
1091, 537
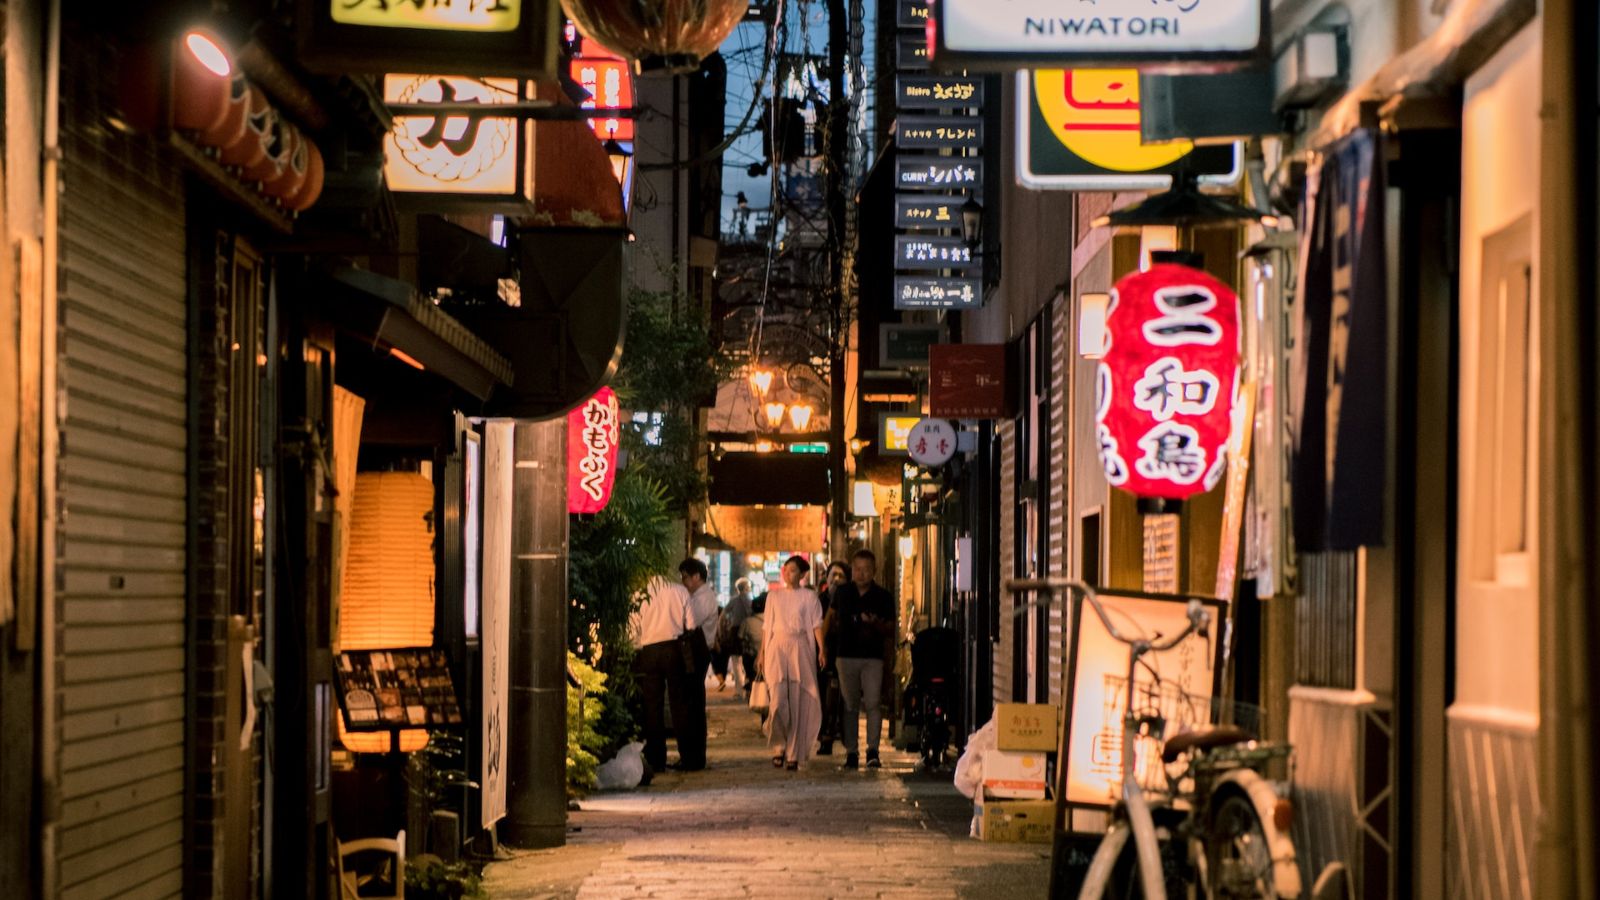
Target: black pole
838, 155
536, 802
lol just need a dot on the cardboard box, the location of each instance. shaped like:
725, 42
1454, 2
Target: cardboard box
1019, 776
1026, 726
1016, 821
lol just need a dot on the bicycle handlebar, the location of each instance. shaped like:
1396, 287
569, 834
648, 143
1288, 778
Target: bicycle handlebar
1199, 616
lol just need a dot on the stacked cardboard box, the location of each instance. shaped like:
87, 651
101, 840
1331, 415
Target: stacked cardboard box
1015, 803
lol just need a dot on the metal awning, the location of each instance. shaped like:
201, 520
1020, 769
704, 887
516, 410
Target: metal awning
770, 479
1473, 32
391, 313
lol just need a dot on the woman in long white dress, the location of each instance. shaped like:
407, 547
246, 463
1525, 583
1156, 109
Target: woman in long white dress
791, 636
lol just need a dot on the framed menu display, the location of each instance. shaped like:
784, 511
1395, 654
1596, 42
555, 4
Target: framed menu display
406, 687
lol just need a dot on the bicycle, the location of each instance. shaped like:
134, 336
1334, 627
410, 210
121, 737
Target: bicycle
1224, 824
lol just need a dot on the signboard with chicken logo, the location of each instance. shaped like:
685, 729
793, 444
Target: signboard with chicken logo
1078, 130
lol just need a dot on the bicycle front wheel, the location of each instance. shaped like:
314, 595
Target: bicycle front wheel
1238, 855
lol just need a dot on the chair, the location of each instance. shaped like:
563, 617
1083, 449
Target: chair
351, 881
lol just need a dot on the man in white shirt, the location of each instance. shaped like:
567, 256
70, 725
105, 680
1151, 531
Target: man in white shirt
661, 670
703, 609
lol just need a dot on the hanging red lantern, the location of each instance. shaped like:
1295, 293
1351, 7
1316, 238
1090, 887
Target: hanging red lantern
311, 187
201, 74
293, 173
230, 129
593, 434
661, 36
1168, 383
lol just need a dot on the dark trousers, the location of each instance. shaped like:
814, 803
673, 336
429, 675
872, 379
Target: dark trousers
832, 718
691, 729
658, 668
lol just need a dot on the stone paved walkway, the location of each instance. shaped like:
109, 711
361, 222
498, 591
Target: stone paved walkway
744, 829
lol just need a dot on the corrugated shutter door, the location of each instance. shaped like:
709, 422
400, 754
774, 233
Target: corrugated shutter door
121, 551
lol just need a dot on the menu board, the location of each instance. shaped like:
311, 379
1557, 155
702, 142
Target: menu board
408, 687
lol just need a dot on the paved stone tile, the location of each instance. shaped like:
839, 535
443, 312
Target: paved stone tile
742, 829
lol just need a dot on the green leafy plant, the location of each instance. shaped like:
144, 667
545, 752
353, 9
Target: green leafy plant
430, 878
586, 704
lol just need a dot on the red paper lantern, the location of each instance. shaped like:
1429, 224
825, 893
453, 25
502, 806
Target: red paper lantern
664, 36
593, 433
1168, 383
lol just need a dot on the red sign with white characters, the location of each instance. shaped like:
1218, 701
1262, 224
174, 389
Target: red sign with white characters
609, 81
593, 433
1167, 386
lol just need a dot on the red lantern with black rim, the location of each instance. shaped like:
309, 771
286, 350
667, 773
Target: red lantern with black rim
661, 36
1169, 382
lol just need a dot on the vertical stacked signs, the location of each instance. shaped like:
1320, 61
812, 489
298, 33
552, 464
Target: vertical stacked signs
938, 139
1169, 382
593, 433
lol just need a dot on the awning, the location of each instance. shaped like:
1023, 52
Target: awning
770, 479
1473, 32
573, 182
391, 313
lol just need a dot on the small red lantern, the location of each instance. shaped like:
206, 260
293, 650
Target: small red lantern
1168, 383
662, 36
593, 434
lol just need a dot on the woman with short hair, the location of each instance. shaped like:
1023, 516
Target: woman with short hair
791, 655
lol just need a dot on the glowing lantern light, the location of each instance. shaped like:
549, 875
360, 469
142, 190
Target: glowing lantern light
593, 434
1167, 384
800, 415
774, 413
663, 36
761, 382
209, 53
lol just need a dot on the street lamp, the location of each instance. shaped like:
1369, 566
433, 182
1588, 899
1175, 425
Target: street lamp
761, 382
972, 236
774, 413
800, 415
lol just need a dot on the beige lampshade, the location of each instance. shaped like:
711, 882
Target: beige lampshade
387, 595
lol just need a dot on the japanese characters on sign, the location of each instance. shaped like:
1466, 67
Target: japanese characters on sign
894, 433
452, 154
911, 52
923, 212
938, 132
918, 253
938, 92
609, 81
1079, 130
937, 293
967, 381
1166, 389
452, 15
593, 433
920, 173
932, 442
1197, 33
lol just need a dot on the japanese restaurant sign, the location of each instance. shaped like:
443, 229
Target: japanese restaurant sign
938, 132
921, 173
1199, 34
938, 92
468, 159
916, 211
911, 292
1166, 388
967, 381
593, 433
916, 252
608, 80
1079, 130
480, 37
932, 442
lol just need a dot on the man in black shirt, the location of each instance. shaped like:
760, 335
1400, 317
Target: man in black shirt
861, 628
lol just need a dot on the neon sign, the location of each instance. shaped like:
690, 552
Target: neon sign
593, 433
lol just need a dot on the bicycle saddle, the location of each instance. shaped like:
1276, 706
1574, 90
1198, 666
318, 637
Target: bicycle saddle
1204, 739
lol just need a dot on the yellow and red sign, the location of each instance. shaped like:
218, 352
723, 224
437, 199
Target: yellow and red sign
593, 434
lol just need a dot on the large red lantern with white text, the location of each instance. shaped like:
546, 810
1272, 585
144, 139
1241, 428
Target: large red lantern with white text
1168, 383
593, 433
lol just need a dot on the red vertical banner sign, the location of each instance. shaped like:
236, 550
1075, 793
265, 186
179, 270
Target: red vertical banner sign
1169, 382
593, 433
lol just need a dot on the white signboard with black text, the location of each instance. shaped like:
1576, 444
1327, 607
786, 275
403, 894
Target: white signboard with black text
498, 471
1191, 33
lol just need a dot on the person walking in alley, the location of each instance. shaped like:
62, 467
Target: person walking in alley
791, 655
861, 626
660, 667
703, 610
729, 645
828, 677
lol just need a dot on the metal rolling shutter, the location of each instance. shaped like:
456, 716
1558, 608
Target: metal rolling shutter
122, 543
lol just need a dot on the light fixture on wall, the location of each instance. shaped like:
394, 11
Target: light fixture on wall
862, 502
1183, 205
1092, 337
972, 213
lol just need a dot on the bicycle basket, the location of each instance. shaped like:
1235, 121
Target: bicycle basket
1165, 710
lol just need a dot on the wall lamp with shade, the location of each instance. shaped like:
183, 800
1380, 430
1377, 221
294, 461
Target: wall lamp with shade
774, 412
761, 382
800, 415
972, 214
621, 160
1093, 339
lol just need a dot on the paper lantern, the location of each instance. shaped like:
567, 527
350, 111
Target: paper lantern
663, 36
593, 435
201, 72
387, 595
1167, 385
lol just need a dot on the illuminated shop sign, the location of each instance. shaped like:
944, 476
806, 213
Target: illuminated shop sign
593, 434
439, 15
926, 173
1079, 130
938, 92
450, 153
1198, 34
919, 253
938, 132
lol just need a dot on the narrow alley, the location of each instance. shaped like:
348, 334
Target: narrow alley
743, 829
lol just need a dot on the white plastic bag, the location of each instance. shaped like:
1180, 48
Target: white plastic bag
622, 772
969, 768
